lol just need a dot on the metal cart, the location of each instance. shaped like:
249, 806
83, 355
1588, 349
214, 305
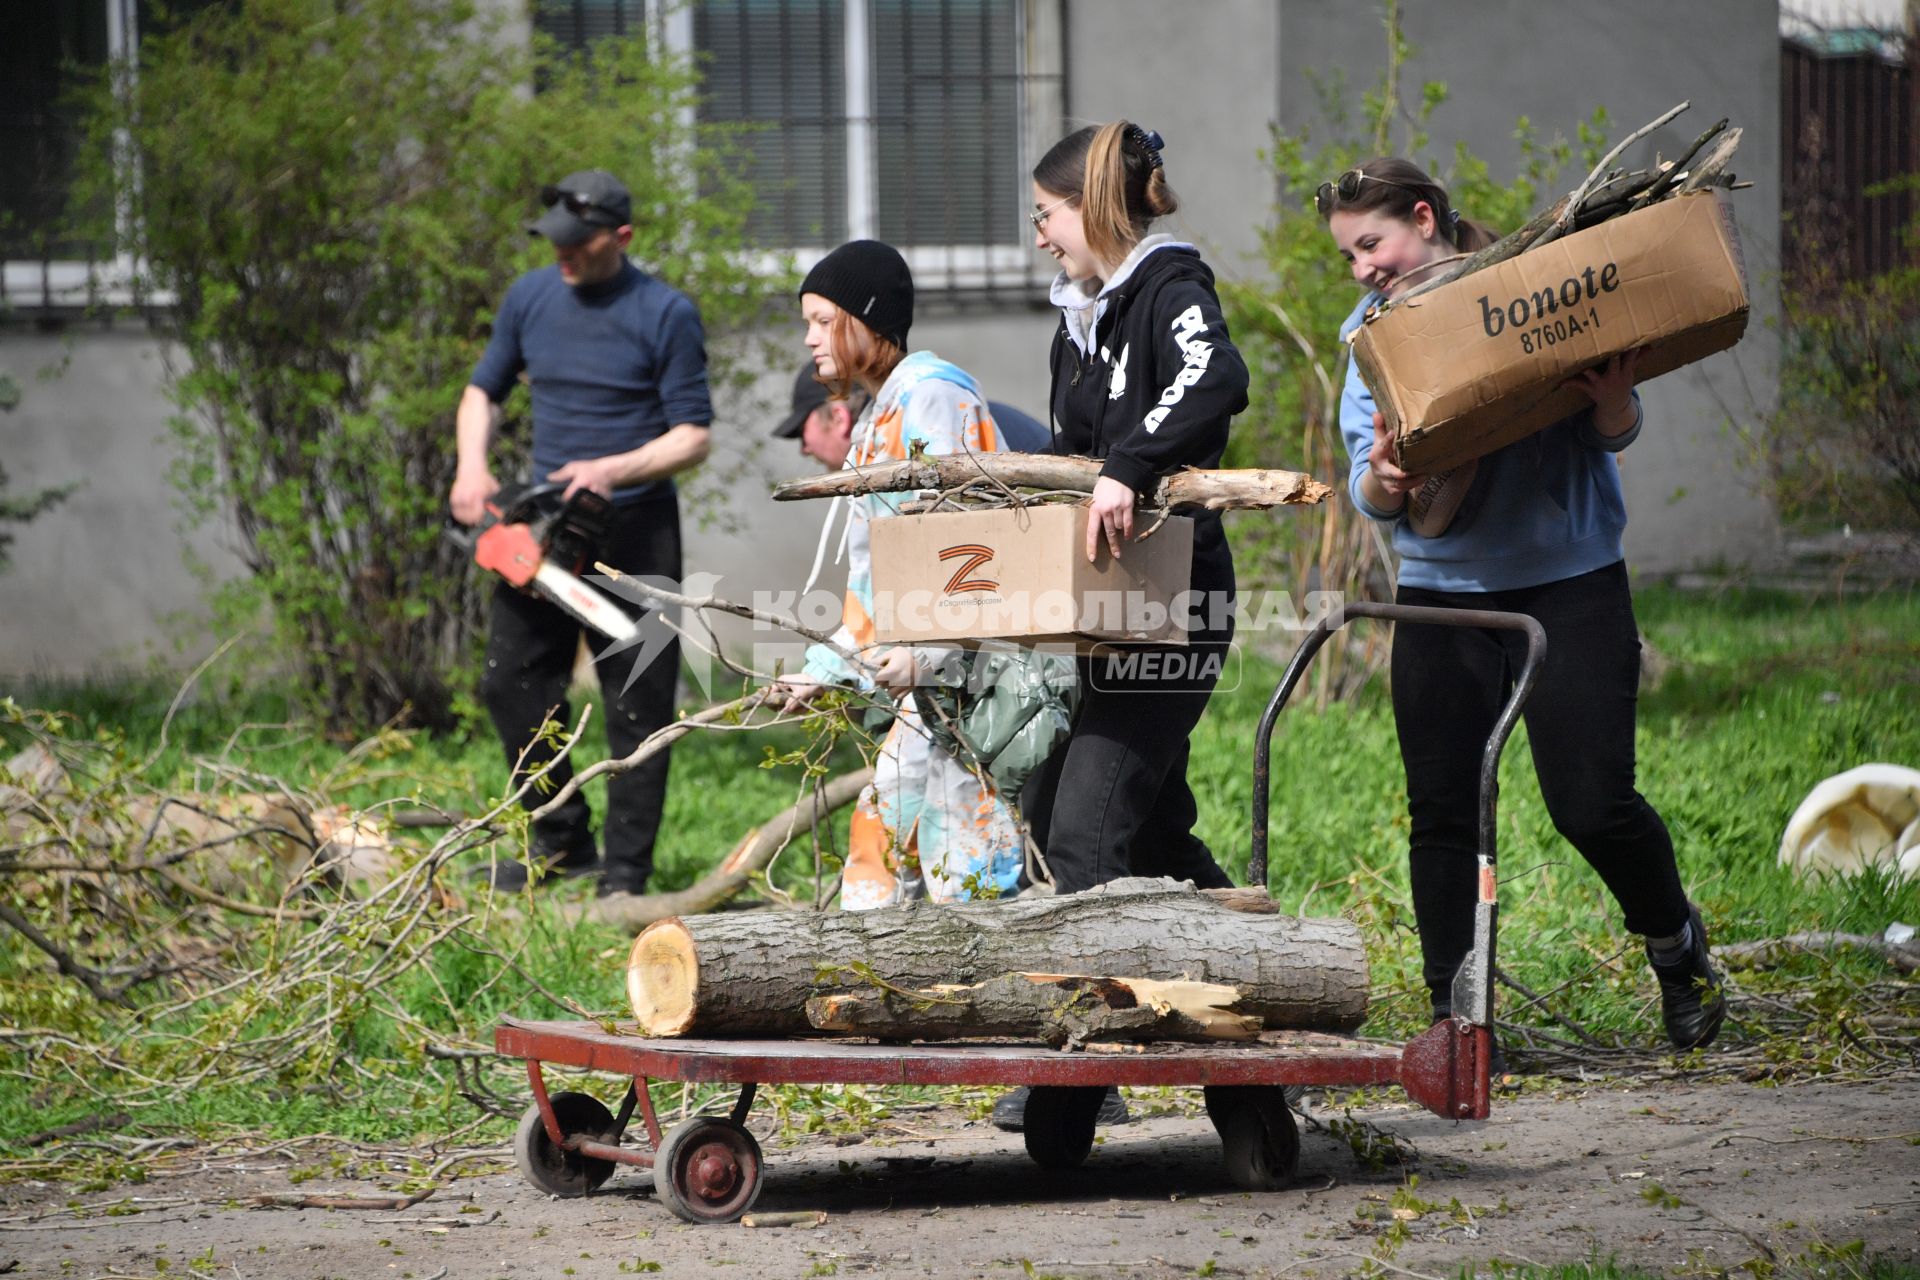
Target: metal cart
708, 1168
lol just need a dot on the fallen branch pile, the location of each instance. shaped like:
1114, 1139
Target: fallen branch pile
268, 980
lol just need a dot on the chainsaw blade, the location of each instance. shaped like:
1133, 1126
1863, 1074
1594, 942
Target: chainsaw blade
584, 603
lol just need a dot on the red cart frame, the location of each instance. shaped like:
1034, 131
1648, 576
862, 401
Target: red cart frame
708, 1168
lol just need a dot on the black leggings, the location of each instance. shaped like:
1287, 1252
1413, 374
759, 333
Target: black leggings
531, 646
1448, 687
1113, 800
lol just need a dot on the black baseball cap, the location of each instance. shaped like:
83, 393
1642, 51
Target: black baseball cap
809, 393
580, 204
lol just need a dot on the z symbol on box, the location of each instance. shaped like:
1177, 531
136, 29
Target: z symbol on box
974, 556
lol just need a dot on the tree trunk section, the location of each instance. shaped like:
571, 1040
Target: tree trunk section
1061, 1009
1217, 490
753, 974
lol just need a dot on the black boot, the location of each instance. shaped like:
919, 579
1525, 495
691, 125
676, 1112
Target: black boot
1010, 1112
1691, 1002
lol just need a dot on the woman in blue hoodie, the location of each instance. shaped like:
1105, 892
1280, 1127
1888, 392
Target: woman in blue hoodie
1531, 528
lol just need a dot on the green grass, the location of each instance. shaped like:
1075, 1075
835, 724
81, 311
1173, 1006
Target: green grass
1607, 1270
1763, 696
1847, 1263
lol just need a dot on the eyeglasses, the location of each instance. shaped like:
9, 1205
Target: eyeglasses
1039, 216
578, 203
1347, 188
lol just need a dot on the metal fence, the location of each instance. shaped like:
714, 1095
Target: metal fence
1847, 136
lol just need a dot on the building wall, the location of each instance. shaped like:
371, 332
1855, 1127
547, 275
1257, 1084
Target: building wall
1206, 76
100, 584
94, 580
1690, 501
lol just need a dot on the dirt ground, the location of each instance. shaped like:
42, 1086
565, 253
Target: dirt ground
1698, 1179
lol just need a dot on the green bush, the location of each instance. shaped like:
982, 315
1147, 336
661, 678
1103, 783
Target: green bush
333, 195
1842, 444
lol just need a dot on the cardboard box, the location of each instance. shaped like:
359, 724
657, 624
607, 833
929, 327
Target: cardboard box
1477, 363
1022, 574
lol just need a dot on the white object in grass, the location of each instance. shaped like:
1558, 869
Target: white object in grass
1865, 817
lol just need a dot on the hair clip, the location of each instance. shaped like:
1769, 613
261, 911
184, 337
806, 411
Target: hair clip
1149, 141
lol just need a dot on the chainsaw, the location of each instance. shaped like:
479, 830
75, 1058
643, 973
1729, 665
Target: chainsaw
541, 545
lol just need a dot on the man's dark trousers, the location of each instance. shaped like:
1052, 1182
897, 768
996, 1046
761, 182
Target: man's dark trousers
531, 647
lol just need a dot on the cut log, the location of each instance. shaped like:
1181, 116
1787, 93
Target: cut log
1061, 1009
753, 974
1181, 491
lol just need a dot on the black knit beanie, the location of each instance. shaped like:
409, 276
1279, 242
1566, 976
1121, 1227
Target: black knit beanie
870, 281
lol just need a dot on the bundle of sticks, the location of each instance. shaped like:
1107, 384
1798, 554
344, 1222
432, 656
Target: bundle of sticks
975, 479
1607, 193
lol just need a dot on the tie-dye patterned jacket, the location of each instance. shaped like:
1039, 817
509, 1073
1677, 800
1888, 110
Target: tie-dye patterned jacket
926, 399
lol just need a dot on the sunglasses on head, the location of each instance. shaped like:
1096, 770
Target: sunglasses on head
577, 203
1347, 189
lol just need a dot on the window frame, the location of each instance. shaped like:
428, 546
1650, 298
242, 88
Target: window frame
49, 285
1040, 73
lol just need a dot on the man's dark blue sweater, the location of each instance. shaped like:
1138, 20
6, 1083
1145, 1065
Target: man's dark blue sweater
611, 366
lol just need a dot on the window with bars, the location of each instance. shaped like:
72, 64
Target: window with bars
37, 129
913, 121
574, 22
778, 69
946, 112
46, 43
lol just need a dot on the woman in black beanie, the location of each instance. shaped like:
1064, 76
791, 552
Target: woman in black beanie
927, 816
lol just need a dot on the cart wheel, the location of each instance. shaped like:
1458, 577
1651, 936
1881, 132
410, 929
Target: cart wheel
1059, 1123
708, 1170
1257, 1134
552, 1168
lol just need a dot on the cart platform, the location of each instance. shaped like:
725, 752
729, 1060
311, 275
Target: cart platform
708, 1168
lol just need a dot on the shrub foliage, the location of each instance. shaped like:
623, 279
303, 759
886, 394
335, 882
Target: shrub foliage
333, 197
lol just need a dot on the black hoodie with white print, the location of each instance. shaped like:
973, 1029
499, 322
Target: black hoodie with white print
1146, 378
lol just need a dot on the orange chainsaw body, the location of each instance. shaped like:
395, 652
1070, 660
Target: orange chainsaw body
510, 550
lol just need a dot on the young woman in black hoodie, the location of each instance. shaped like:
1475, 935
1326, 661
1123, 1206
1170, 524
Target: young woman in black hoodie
1145, 379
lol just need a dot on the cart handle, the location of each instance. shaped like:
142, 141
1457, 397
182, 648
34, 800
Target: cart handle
1426, 615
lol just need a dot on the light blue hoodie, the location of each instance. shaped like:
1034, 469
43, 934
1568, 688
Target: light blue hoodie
1544, 508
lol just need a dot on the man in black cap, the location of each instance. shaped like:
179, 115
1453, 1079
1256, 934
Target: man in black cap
824, 427
617, 365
